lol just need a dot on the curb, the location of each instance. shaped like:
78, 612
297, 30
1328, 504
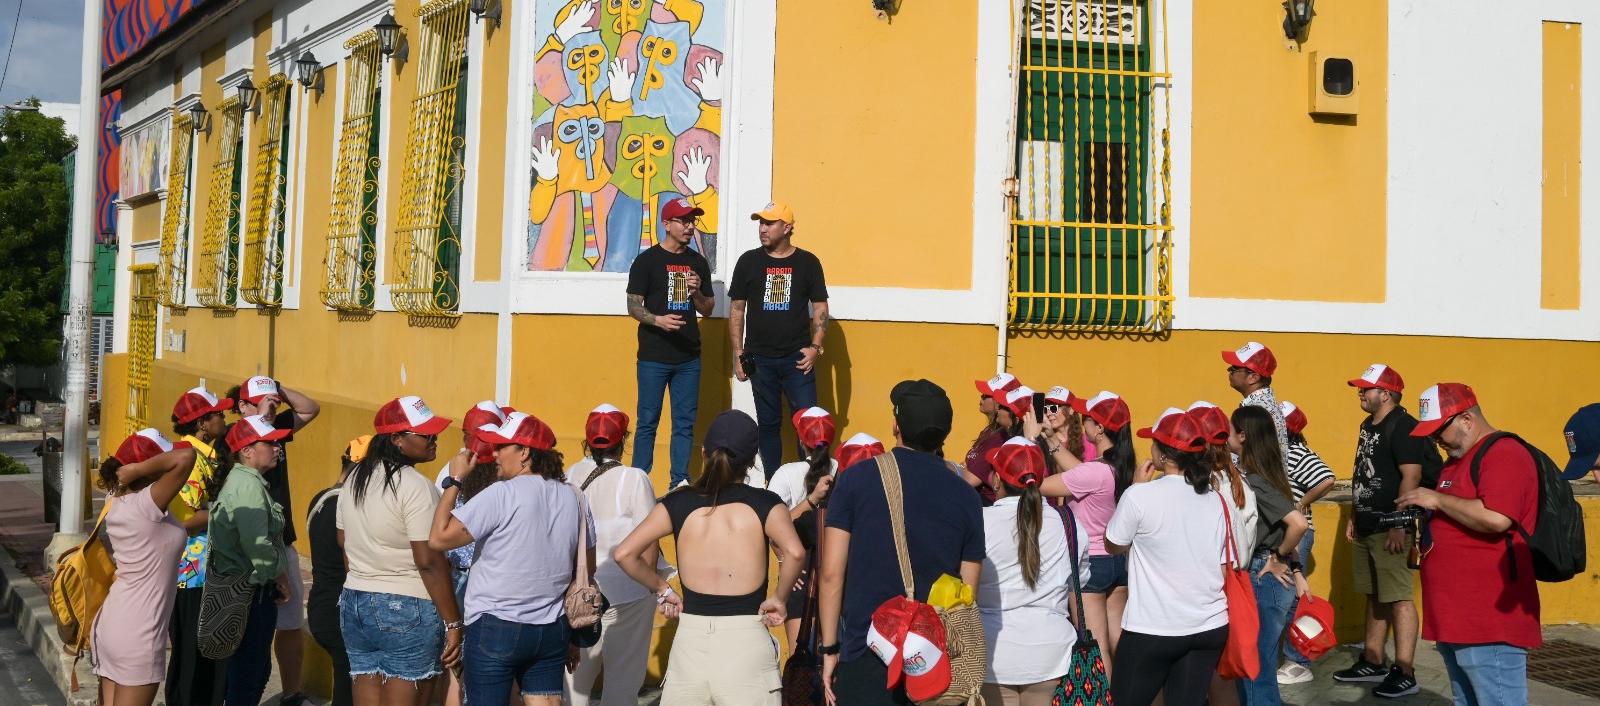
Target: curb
30, 610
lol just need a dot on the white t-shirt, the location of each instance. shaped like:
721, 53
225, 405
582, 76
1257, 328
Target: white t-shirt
379, 531
619, 500
790, 481
1244, 520
1029, 630
1175, 564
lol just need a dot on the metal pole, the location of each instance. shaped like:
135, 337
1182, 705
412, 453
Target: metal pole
76, 423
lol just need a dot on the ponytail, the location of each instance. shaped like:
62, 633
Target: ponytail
718, 473
1074, 440
821, 464
478, 479
1030, 511
1194, 467
108, 474
1121, 458
221, 461
1223, 467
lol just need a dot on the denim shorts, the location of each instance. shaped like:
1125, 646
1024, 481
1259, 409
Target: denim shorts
1106, 572
497, 651
392, 636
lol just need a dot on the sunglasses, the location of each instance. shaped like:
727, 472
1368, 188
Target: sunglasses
426, 437
1238, 369
1052, 408
1438, 434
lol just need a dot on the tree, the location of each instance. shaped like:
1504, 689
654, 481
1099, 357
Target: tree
35, 203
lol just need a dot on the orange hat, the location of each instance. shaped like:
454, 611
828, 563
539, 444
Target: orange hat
357, 448
774, 211
1439, 403
860, 447
1176, 429
1107, 408
1254, 357
814, 426
605, 427
1213, 422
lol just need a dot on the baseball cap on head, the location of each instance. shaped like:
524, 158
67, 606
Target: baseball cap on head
357, 448
605, 427
680, 208
485, 412
410, 414
1583, 441
197, 403
1294, 418
858, 448
251, 429
1059, 395
1381, 377
1254, 357
1004, 382
735, 432
1019, 462
258, 388
1213, 422
522, 429
922, 411
143, 445
1106, 408
1439, 403
1177, 429
814, 426
774, 211
1018, 400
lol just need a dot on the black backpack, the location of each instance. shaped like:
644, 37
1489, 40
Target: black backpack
1557, 541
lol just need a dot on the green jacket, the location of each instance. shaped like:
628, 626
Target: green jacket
246, 528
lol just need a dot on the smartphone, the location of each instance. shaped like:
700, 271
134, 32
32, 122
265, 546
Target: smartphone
1038, 407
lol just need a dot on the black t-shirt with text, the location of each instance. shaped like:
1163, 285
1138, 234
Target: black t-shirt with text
278, 478
777, 292
1380, 451
662, 278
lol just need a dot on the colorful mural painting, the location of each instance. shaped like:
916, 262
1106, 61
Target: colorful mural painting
627, 116
108, 160
128, 25
144, 159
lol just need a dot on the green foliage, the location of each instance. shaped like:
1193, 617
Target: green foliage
35, 207
11, 467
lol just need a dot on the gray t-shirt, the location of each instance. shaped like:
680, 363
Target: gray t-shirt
527, 534
1271, 506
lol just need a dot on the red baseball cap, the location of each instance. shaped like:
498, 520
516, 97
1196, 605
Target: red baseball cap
198, 403
1254, 357
258, 388
1213, 422
1311, 631
680, 208
860, 447
923, 661
249, 430
1019, 462
1060, 395
1107, 408
1019, 400
605, 427
1294, 419
408, 413
485, 412
1004, 382
886, 630
143, 445
1380, 376
1176, 428
1439, 403
522, 429
814, 426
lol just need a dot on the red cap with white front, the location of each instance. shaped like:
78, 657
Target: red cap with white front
258, 388
1294, 419
923, 660
522, 429
1019, 462
1019, 400
1177, 429
680, 208
1059, 395
249, 430
1213, 422
814, 426
1254, 357
1107, 408
485, 412
1379, 376
1439, 403
858, 448
198, 403
408, 413
143, 445
605, 427
1004, 382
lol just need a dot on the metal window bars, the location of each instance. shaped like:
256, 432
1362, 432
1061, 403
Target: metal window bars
1091, 247
216, 263
351, 250
144, 302
172, 277
262, 283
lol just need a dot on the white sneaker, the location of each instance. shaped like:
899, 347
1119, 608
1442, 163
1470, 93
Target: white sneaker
1294, 673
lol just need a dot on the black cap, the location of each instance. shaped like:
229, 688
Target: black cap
734, 432
922, 410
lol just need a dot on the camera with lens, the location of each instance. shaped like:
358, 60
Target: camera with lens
1402, 519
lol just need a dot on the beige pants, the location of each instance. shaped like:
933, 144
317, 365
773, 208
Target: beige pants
722, 661
1038, 694
623, 649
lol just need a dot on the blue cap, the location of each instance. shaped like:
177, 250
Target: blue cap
1583, 441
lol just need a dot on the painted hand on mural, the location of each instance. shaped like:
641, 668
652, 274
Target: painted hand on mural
709, 84
621, 80
545, 158
576, 22
697, 168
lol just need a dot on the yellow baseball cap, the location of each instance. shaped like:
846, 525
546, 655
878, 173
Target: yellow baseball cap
774, 211
357, 449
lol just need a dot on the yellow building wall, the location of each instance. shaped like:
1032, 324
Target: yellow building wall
147, 221
498, 86
1286, 206
1562, 197
872, 139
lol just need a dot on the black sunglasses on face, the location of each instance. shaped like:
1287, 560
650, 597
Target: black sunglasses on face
428, 437
1052, 409
1237, 369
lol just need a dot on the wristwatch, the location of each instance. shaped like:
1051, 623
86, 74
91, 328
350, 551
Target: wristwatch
816, 346
832, 649
448, 482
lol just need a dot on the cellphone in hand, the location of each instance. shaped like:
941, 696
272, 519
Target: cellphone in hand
1038, 407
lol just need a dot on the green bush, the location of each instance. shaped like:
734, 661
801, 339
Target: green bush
10, 467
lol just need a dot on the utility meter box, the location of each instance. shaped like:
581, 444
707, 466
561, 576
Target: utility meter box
1334, 90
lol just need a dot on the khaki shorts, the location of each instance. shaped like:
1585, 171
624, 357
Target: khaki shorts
722, 660
1377, 572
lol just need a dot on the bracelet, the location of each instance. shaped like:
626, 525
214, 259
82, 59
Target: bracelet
453, 625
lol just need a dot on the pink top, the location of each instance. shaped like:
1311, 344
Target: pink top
130, 631
1094, 487
1090, 453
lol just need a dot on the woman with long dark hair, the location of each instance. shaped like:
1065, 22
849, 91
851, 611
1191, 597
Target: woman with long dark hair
722, 652
1275, 565
197, 419
1226, 476
477, 479
803, 487
1025, 588
1000, 424
398, 612
1171, 527
130, 631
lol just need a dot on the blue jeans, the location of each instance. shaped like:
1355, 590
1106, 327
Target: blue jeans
390, 635
654, 381
497, 651
770, 378
1272, 604
1289, 652
251, 665
1490, 674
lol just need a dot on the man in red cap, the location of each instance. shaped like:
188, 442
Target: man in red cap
1478, 586
777, 342
1389, 462
1250, 370
668, 285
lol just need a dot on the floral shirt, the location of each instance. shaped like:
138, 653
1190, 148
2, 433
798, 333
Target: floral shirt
192, 497
1264, 399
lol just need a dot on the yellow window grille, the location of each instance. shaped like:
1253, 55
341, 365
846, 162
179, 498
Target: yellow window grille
427, 248
144, 299
263, 241
217, 263
353, 220
1091, 227
172, 276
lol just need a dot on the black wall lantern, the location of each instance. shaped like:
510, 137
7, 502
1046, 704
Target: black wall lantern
109, 236
247, 95
486, 10
199, 119
388, 34
308, 71
1297, 17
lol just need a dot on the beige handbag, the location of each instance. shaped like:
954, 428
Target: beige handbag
584, 604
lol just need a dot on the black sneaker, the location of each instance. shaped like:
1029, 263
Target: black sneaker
1362, 670
1397, 684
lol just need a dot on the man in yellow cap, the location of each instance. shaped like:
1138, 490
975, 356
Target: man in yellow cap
777, 319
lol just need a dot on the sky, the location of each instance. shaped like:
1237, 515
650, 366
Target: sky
44, 58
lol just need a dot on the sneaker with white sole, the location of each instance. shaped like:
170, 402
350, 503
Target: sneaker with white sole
1294, 673
1397, 684
1362, 670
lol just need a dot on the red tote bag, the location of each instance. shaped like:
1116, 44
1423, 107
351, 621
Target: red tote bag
1241, 659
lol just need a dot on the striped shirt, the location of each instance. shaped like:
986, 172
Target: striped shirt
1306, 471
